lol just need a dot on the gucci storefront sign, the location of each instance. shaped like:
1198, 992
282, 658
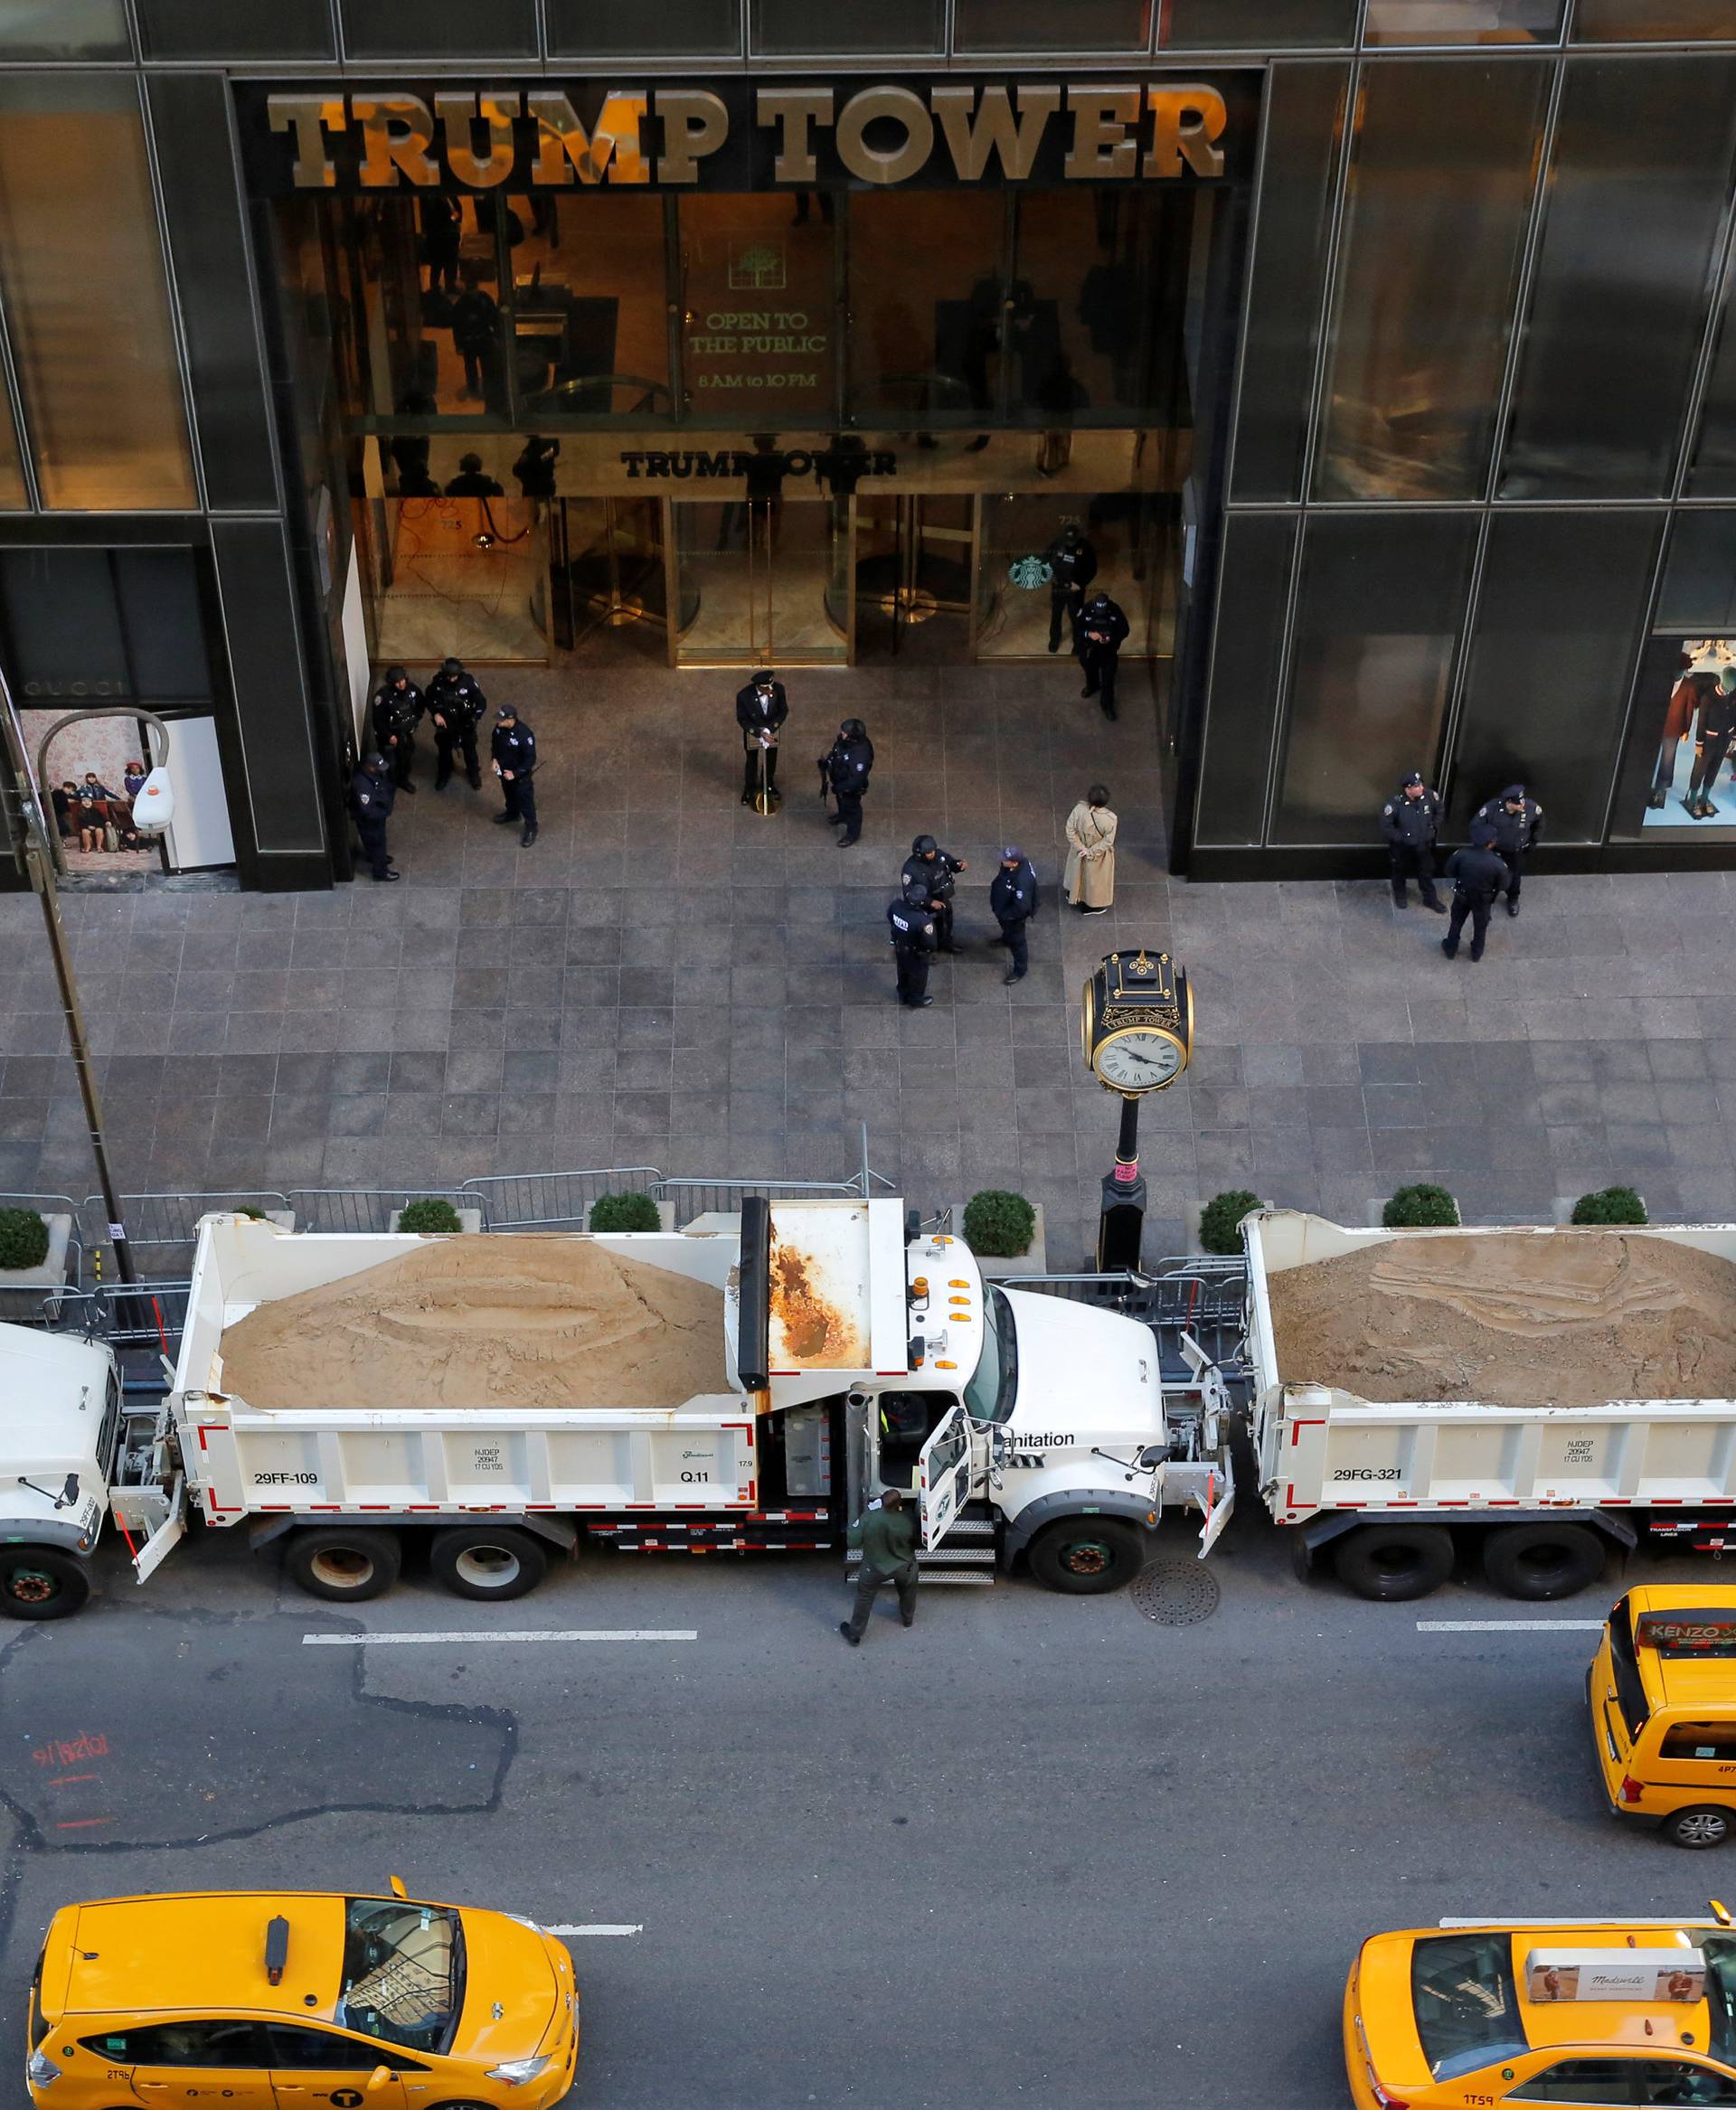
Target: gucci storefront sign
740, 137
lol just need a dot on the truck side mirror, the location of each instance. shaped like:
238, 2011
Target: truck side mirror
1153, 1455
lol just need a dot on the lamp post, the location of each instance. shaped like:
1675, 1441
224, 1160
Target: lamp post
35, 850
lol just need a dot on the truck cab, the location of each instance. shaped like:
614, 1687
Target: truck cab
61, 1422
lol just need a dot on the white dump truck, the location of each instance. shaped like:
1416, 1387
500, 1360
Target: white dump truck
747, 1384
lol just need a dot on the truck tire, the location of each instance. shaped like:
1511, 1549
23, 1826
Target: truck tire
41, 1582
1537, 1562
1394, 1562
344, 1564
1087, 1557
1704, 1825
490, 1561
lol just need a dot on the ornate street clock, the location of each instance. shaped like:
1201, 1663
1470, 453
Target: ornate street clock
1137, 1022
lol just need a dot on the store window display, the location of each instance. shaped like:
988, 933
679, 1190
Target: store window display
1694, 740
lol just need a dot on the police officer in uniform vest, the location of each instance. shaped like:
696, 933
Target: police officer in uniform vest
913, 942
512, 745
373, 795
1073, 566
844, 768
1477, 875
934, 869
455, 705
1100, 628
1517, 823
1409, 821
396, 712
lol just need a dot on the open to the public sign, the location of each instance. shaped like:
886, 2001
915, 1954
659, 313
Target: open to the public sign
1687, 1634
1636, 1974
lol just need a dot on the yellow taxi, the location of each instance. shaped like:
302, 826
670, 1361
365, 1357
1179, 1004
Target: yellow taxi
1662, 1689
1617, 2012
299, 2000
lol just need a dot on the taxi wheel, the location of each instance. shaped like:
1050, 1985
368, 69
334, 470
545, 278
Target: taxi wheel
487, 1561
344, 1564
1538, 1561
1395, 1562
1705, 1826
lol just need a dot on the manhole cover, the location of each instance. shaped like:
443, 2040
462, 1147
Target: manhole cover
1175, 1593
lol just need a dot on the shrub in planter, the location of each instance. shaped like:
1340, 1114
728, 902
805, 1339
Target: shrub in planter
1220, 1218
253, 1215
1420, 1207
1610, 1205
23, 1239
625, 1212
999, 1226
428, 1216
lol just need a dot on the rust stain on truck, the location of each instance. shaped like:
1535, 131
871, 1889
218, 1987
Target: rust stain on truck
815, 1332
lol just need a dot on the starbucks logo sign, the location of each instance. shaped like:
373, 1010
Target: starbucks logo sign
1030, 572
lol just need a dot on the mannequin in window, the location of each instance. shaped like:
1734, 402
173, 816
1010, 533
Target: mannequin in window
1696, 680
1712, 742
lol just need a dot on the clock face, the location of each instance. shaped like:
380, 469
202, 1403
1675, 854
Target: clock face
1139, 1059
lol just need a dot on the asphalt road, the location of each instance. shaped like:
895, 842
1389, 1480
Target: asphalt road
1037, 1848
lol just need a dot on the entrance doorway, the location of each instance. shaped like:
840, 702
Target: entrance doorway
915, 560
606, 594
763, 581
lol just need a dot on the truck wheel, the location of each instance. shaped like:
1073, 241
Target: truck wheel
1706, 1826
488, 1560
344, 1565
1086, 1556
1543, 1560
1395, 1562
40, 1582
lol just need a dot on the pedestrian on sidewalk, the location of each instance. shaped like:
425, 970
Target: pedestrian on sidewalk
513, 747
1013, 897
1517, 823
887, 1536
373, 795
1089, 880
844, 769
1409, 821
936, 870
1479, 875
396, 712
457, 707
760, 709
913, 942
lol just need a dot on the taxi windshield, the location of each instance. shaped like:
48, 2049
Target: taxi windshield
403, 1973
1720, 1952
988, 1397
1467, 2004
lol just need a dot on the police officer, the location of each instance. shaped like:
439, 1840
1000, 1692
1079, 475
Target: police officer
373, 795
1477, 875
1100, 628
846, 769
455, 705
934, 869
512, 745
396, 710
913, 942
1409, 821
1518, 821
1013, 897
761, 709
1073, 566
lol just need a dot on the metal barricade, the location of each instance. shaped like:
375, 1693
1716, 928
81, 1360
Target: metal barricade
371, 1209
166, 1226
553, 1201
692, 1198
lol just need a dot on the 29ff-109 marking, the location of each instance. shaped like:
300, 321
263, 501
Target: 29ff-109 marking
285, 1479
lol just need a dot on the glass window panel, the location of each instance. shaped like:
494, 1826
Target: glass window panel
1598, 21
1641, 168
924, 283
87, 300
220, 29
1713, 471
1699, 591
759, 340
848, 25
1441, 179
650, 28
1236, 25
1463, 22
1304, 128
62, 626
1253, 585
1563, 599
159, 605
1382, 604
443, 29
1039, 26
64, 29
590, 313
13, 497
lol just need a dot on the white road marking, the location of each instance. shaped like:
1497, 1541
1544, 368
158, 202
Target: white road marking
567, 1932
493, 1633
1510, 1625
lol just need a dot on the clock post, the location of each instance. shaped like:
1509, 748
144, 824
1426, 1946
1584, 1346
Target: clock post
1136, 1034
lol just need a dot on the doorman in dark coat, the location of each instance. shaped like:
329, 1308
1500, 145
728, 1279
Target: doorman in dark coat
1409, 821
845, 771
373, 795
1518, 823
1101, 628
1073, 566
760, 709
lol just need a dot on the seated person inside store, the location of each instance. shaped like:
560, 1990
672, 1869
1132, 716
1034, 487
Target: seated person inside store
100, 809
66, 809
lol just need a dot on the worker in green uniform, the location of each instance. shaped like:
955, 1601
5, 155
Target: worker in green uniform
887, 1536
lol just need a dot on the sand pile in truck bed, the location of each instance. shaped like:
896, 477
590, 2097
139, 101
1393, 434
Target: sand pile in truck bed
1515, 1321
485, 1321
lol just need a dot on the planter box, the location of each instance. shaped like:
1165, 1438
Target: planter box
51, 1274
1033, 1262
469, 1223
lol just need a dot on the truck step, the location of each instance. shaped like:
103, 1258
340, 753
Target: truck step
975, 1579
972, 1527
942, 1555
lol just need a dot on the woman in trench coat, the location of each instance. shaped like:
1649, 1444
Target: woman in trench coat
1090, 877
